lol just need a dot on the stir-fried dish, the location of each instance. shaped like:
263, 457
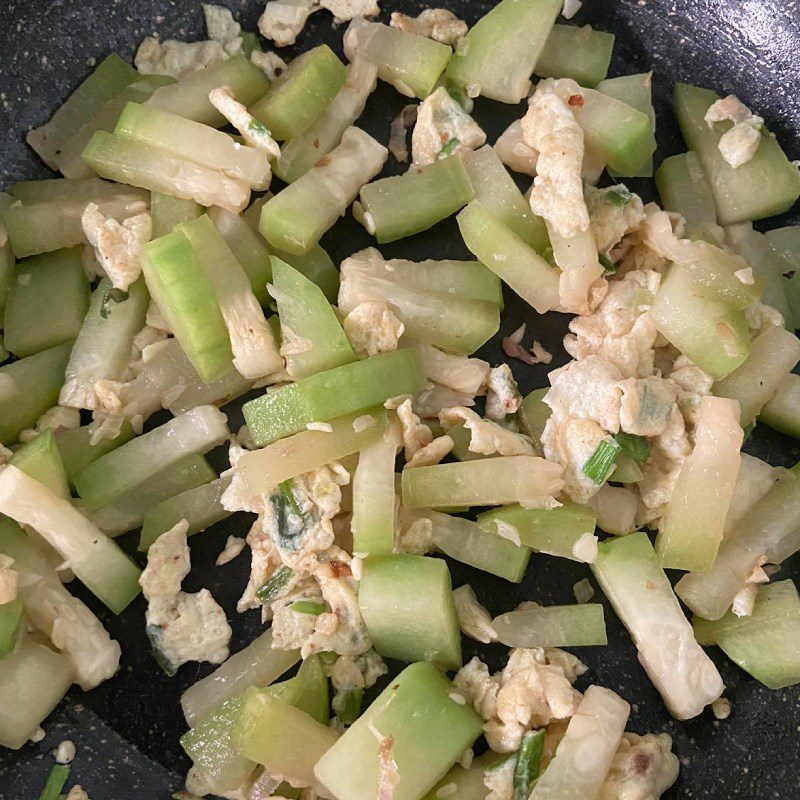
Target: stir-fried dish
176, 266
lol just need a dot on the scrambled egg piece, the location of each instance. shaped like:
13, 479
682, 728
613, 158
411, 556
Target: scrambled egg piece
298, 515
487, 437
643, 768
432, 453
354, 673
532, 690
253, 132
619, 330
54, 418
372, 328
283, 20
459, 373
271, 64
502, 394
515, 152
761, 316
57, 417
80, 635
499, 780
223, 28
586, 389
416, 434
175, 58
550, 128
645, 405
441, 122
291, 628
570, 441
416, 537
661, 469
739, 144
438, 24
182, 627
9, 580
473, 619
345, 10
118, 246
613, 213
691, 385
233, 547
433, 398
180, 58
342, 630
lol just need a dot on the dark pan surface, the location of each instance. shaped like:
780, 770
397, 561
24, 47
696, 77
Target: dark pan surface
127, 730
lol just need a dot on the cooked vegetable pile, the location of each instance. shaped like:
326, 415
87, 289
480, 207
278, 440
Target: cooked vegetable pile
161, 276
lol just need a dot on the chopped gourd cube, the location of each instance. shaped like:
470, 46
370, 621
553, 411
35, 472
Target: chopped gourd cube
295, 219
515, 262
258, 664
305, 312
302, 151
110, 77
767, 184
765, 643
691, 529
773, 355
41, 460
55, 281
417, 713
196, 142
408, 607
710, 333
32, 682
151, 167
287, 741
566, 531
407, 204
177, 282
103, 348
201, 507
303, 91
496, 191
582, 54
629, 572
326, 395
128, 511
498, 55
29, 387
410, 63
188, 97
77, 450
97, 561
483, 482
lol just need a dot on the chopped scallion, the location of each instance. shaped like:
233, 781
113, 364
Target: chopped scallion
599, 465
529, 760
449, 148
112, 296
609, 267
619, 196
347, 704
55, 782
270, 590
258, 127
308, 607
285, 488
637, 447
